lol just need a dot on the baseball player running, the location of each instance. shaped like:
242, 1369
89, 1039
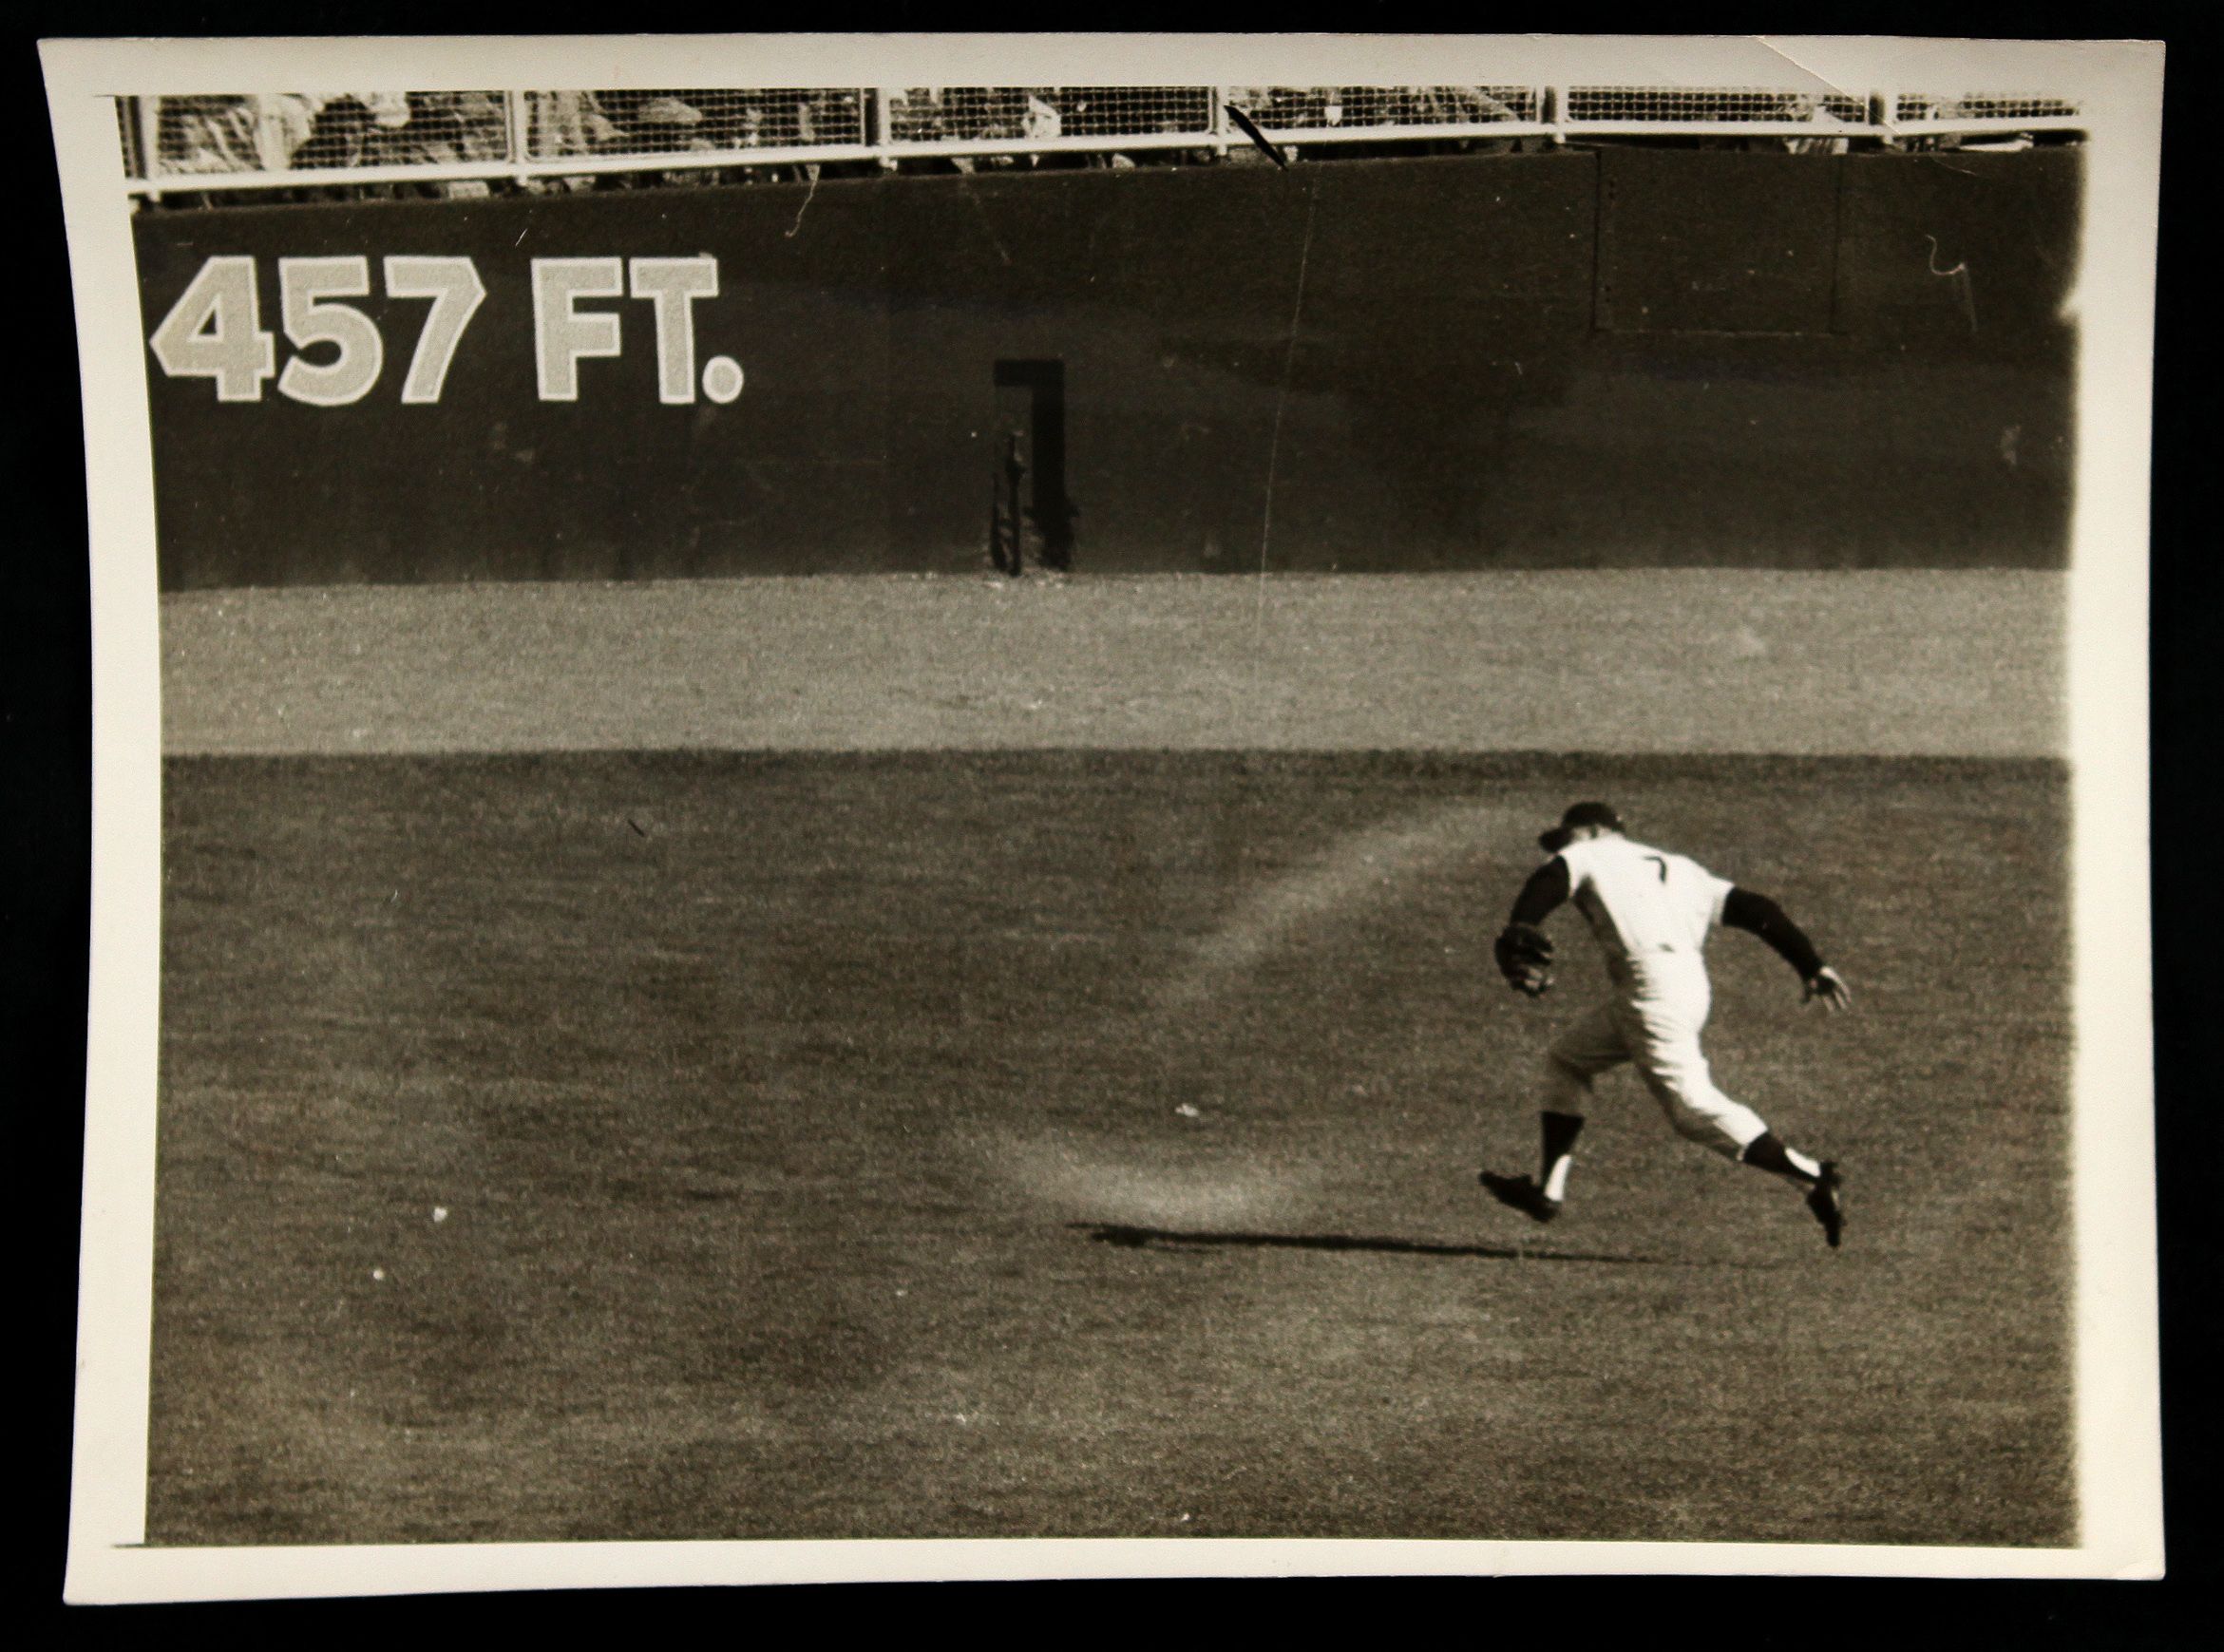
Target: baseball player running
1651, 912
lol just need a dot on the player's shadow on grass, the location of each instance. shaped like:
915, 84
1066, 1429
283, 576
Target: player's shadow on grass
1137, 1238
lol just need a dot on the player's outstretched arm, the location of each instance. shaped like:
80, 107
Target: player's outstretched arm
1524, 952
1757, 915
1548, 886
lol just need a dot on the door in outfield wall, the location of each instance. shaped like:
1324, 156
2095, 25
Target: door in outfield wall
1032, 521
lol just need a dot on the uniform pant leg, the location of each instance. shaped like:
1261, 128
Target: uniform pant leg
1585, 1049
1663, 1036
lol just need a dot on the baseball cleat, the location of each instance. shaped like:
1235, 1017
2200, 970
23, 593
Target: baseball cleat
1523, 1193
1823, 1200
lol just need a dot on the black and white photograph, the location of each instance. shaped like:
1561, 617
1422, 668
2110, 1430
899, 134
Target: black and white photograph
1268, 801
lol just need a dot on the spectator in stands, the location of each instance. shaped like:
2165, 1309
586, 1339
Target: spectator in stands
369, 129
567, 124
1043, 121
1472, 105
736, 121
1987, 108
445, 129
195, 134
987, 113
917, 115
830, 116
283, 124
1087, 111
646, 124
836, 115
1366, 107
1116, 128
662, 123
1826, 140
361, 129
1251, 100
338, 136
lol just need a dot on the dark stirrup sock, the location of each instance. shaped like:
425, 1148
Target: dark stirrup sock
1560, 1130
1765, 1152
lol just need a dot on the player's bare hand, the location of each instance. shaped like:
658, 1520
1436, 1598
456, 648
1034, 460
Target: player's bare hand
1825, 984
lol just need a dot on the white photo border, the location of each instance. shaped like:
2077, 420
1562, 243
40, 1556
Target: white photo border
2119, 1452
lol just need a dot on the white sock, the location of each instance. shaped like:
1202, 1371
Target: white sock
1556, 1183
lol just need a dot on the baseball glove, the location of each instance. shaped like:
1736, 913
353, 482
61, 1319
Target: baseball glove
1525, 958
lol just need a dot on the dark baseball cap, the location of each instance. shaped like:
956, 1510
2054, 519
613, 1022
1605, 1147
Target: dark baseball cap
1579, 814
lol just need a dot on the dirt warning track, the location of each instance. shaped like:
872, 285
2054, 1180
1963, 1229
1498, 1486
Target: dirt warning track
1884, 663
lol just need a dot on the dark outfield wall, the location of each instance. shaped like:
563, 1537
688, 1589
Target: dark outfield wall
1631, 358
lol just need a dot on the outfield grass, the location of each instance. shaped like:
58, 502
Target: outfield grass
1032, 1142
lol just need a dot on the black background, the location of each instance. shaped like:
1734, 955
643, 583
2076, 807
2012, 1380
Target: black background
44, 741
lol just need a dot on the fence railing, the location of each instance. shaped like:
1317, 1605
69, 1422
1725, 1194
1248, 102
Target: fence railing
295, 139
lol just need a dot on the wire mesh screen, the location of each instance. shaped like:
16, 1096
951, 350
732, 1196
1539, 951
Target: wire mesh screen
296, 131
397, 129
691, 120
1983, 106
206, 133
270, 139
1681, 106
1002, 114
1297, 108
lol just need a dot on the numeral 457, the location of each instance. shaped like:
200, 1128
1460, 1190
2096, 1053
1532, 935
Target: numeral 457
215, 330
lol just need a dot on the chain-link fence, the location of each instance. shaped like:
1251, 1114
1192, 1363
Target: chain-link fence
1931, 108
1676, 108
713, 121
1310, 109
284, 132
964, 117
1319, 112
469, 141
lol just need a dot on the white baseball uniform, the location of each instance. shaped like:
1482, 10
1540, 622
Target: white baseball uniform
1652, 913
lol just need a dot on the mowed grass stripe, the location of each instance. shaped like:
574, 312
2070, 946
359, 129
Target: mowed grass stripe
1075, 1143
